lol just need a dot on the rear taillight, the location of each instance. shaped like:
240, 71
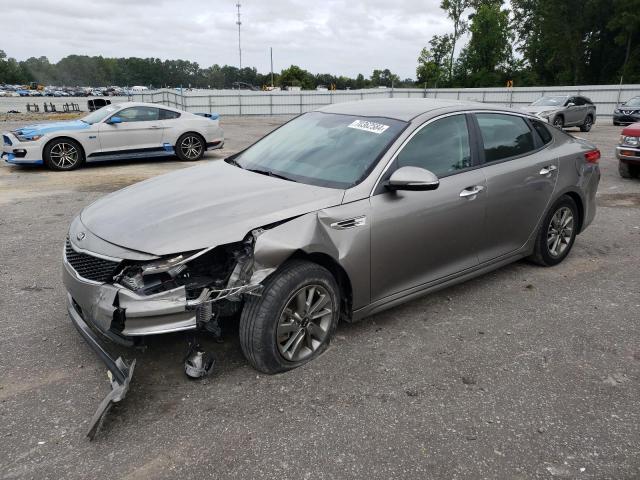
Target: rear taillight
592, 156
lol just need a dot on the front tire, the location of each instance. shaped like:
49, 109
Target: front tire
588, 123
63, 154
557, 233
190, 147
558, 122
293, 320
624, 169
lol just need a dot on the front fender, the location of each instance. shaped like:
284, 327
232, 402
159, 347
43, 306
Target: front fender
328, 232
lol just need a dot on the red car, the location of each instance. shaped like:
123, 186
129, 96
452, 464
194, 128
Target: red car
628, 151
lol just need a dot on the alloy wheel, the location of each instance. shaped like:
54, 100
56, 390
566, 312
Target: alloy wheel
560, 231
191, 147
64, 155
304, 323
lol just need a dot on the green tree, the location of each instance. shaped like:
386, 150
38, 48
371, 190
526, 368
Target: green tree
384, 78
487, 55
626, 22
455, 9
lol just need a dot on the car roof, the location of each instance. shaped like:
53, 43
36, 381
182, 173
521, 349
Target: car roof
406, 109
144, 104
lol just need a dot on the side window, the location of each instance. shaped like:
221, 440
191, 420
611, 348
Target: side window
138, 114
579, 101
542, 130
168, 114
441, 147
504, 136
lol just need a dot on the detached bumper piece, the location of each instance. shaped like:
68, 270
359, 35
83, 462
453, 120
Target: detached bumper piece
119, 374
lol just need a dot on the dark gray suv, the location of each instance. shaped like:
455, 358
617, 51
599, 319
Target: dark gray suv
565, 111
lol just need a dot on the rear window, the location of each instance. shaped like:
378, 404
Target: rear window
504, 136
543, 131
168, 114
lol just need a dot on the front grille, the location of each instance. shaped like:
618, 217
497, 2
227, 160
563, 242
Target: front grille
88, 266
6, 140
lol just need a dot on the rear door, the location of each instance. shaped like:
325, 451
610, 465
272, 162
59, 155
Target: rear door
573, 114
139, 131
521, 175
420, 237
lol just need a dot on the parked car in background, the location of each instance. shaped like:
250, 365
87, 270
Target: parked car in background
565, 111
336, 215
114, 132
628, 151
627, 112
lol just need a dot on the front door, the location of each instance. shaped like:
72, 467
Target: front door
139, 131
419, 237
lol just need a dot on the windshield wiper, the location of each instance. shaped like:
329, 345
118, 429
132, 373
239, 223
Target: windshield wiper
269, 173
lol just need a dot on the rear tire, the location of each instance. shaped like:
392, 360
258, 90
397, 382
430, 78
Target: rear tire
588, 123
63, 154
558, 122
279, 330
190, 147
624, 169
557, 233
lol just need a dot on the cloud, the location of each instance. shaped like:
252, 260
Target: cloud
333, 36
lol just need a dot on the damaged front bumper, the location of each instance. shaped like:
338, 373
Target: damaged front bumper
107, 313
120, 372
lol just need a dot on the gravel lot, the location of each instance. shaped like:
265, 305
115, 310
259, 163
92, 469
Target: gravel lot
526, 372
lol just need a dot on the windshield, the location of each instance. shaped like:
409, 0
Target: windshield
100, 114
323, 149
550, 101
634, 102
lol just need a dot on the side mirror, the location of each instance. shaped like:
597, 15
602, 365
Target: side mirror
412, 178
571, 104
113, 120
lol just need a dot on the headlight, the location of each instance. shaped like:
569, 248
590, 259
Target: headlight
617, 110
27, 138
546, 113
632, 141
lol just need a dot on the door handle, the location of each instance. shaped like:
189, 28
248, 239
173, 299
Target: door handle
155, 126
548, 169
471, 192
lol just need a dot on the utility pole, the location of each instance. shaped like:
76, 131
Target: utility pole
271, 49
239, 23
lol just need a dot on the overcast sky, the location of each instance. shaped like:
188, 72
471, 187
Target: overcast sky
325, 36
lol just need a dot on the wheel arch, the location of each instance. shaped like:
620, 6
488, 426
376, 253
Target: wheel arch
192, 132
577, 198
338, 272
66, 137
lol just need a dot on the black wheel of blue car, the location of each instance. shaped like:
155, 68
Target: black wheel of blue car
190, 147
293, 319
557, 233
63, 154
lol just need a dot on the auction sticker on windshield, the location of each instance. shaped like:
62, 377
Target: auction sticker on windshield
372, 127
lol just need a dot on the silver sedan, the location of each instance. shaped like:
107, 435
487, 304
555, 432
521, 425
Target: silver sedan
338, 214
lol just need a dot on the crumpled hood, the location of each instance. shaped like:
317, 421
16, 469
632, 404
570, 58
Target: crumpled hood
200, 207
44, 128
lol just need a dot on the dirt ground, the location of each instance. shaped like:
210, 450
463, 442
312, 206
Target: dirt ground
526, 372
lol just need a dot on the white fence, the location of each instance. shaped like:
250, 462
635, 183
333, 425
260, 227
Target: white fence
243, 102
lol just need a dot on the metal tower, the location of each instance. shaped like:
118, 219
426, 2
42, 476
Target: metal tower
239, 46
